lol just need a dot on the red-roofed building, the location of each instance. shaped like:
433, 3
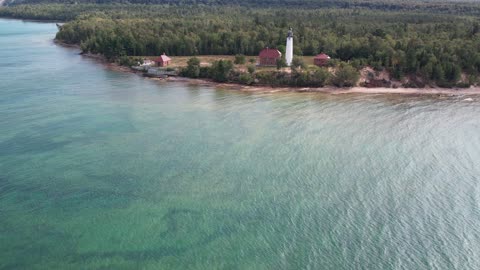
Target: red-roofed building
268, 57
321, 59
163, 60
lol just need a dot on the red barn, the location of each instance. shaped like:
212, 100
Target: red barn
321, 59
268, 57
163, 60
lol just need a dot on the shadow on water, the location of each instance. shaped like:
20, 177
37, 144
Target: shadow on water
182, 224
24, 144
33, 193
47, 137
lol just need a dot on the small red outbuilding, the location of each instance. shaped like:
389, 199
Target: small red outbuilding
321, 59
163, 60
268, 57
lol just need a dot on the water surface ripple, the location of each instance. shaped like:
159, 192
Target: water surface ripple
104, 170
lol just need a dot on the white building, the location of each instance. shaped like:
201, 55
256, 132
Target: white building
289, 49
147, 63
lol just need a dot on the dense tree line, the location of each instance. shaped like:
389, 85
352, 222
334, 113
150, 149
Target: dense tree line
470, 7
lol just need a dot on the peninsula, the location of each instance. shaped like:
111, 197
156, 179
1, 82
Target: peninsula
419, 44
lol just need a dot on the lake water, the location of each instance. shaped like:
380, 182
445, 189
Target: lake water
106, 170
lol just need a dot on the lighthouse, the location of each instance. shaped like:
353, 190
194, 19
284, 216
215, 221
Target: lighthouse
289, 50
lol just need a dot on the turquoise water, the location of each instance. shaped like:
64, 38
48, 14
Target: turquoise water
105, 170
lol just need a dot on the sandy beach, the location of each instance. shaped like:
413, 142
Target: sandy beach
364, 90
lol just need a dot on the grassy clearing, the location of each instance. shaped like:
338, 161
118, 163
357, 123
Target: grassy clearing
206, 60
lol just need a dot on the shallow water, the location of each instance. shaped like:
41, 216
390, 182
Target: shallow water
105, 170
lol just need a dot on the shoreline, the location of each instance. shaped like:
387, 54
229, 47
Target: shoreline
274, 89
29, 20
353, 90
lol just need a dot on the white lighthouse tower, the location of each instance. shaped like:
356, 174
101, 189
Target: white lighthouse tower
289, 50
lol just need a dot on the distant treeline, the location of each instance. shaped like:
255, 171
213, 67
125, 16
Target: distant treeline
436, 47
470, 7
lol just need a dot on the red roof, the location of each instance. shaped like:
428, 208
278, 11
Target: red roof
270, 53
322, 56
162, 58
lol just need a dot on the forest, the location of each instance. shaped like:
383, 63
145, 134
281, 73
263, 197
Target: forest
438, 41
466, 7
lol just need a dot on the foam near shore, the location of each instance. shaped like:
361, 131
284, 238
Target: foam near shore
358, 90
